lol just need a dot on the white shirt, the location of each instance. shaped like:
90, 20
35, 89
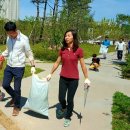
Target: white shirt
17, 50
120, 46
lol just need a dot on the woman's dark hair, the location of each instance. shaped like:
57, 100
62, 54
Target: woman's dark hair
10, 26
75, 42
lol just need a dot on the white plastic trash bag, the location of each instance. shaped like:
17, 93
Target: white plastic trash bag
38, 96
103, 49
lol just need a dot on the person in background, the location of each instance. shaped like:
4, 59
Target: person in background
120, 48
128, 47
69, 55
17, 48
106, 44
95, 63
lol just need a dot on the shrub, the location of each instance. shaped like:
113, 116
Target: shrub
121, 112
126, 67
42, 53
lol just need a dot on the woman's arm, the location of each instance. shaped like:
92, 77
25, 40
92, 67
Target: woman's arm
56, 64
84, 68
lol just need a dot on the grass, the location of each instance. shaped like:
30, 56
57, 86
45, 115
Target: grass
26, 73
51, 55
90, 49
2, 47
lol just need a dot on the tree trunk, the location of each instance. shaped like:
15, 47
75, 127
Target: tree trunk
37, 17
43, 20
55, 13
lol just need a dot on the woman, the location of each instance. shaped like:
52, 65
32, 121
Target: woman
69, 55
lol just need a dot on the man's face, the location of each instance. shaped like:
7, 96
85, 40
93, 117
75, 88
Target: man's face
106, 38
12, 34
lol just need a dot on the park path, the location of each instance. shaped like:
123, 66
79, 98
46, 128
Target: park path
97, 113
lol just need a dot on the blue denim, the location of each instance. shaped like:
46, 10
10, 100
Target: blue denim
16, 73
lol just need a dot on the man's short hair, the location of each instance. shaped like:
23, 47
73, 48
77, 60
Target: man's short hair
10, 26
106, 36
94, 55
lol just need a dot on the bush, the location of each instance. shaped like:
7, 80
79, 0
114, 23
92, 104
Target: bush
42, 53
120, 125
126, 68
121, 112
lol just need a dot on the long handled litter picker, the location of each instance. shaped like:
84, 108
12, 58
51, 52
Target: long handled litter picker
86, 89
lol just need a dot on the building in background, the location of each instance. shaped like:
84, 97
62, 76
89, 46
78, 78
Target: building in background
9, 9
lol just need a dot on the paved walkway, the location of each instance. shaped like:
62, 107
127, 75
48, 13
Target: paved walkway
97, 113
2, 128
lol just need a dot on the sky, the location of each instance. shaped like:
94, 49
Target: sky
100, 8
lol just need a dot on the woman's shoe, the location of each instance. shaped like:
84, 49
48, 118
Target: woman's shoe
67, 122
61, 113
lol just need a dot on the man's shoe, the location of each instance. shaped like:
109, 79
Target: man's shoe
11, 103
67, 122
15, 111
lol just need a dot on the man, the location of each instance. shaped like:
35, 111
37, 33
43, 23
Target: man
105, 45
17, 49
120, 48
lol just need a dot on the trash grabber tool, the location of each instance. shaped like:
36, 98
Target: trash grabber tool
86, 89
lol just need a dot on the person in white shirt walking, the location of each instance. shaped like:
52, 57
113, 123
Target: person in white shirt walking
17, 49
120, 48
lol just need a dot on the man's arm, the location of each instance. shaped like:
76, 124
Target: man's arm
29, 53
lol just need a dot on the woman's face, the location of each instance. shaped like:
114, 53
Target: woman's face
69, 38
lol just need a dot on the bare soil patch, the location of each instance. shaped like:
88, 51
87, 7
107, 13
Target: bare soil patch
7, 123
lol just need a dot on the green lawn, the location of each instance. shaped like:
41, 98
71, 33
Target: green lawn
26, 74
49, 55
90, 49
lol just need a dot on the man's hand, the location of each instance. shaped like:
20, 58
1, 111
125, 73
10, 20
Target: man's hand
1, 61
33, 70
2, 58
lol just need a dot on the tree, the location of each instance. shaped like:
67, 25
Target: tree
37, 2
43, 19
124, 22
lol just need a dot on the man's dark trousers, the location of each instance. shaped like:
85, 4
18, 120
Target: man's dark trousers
17, 74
